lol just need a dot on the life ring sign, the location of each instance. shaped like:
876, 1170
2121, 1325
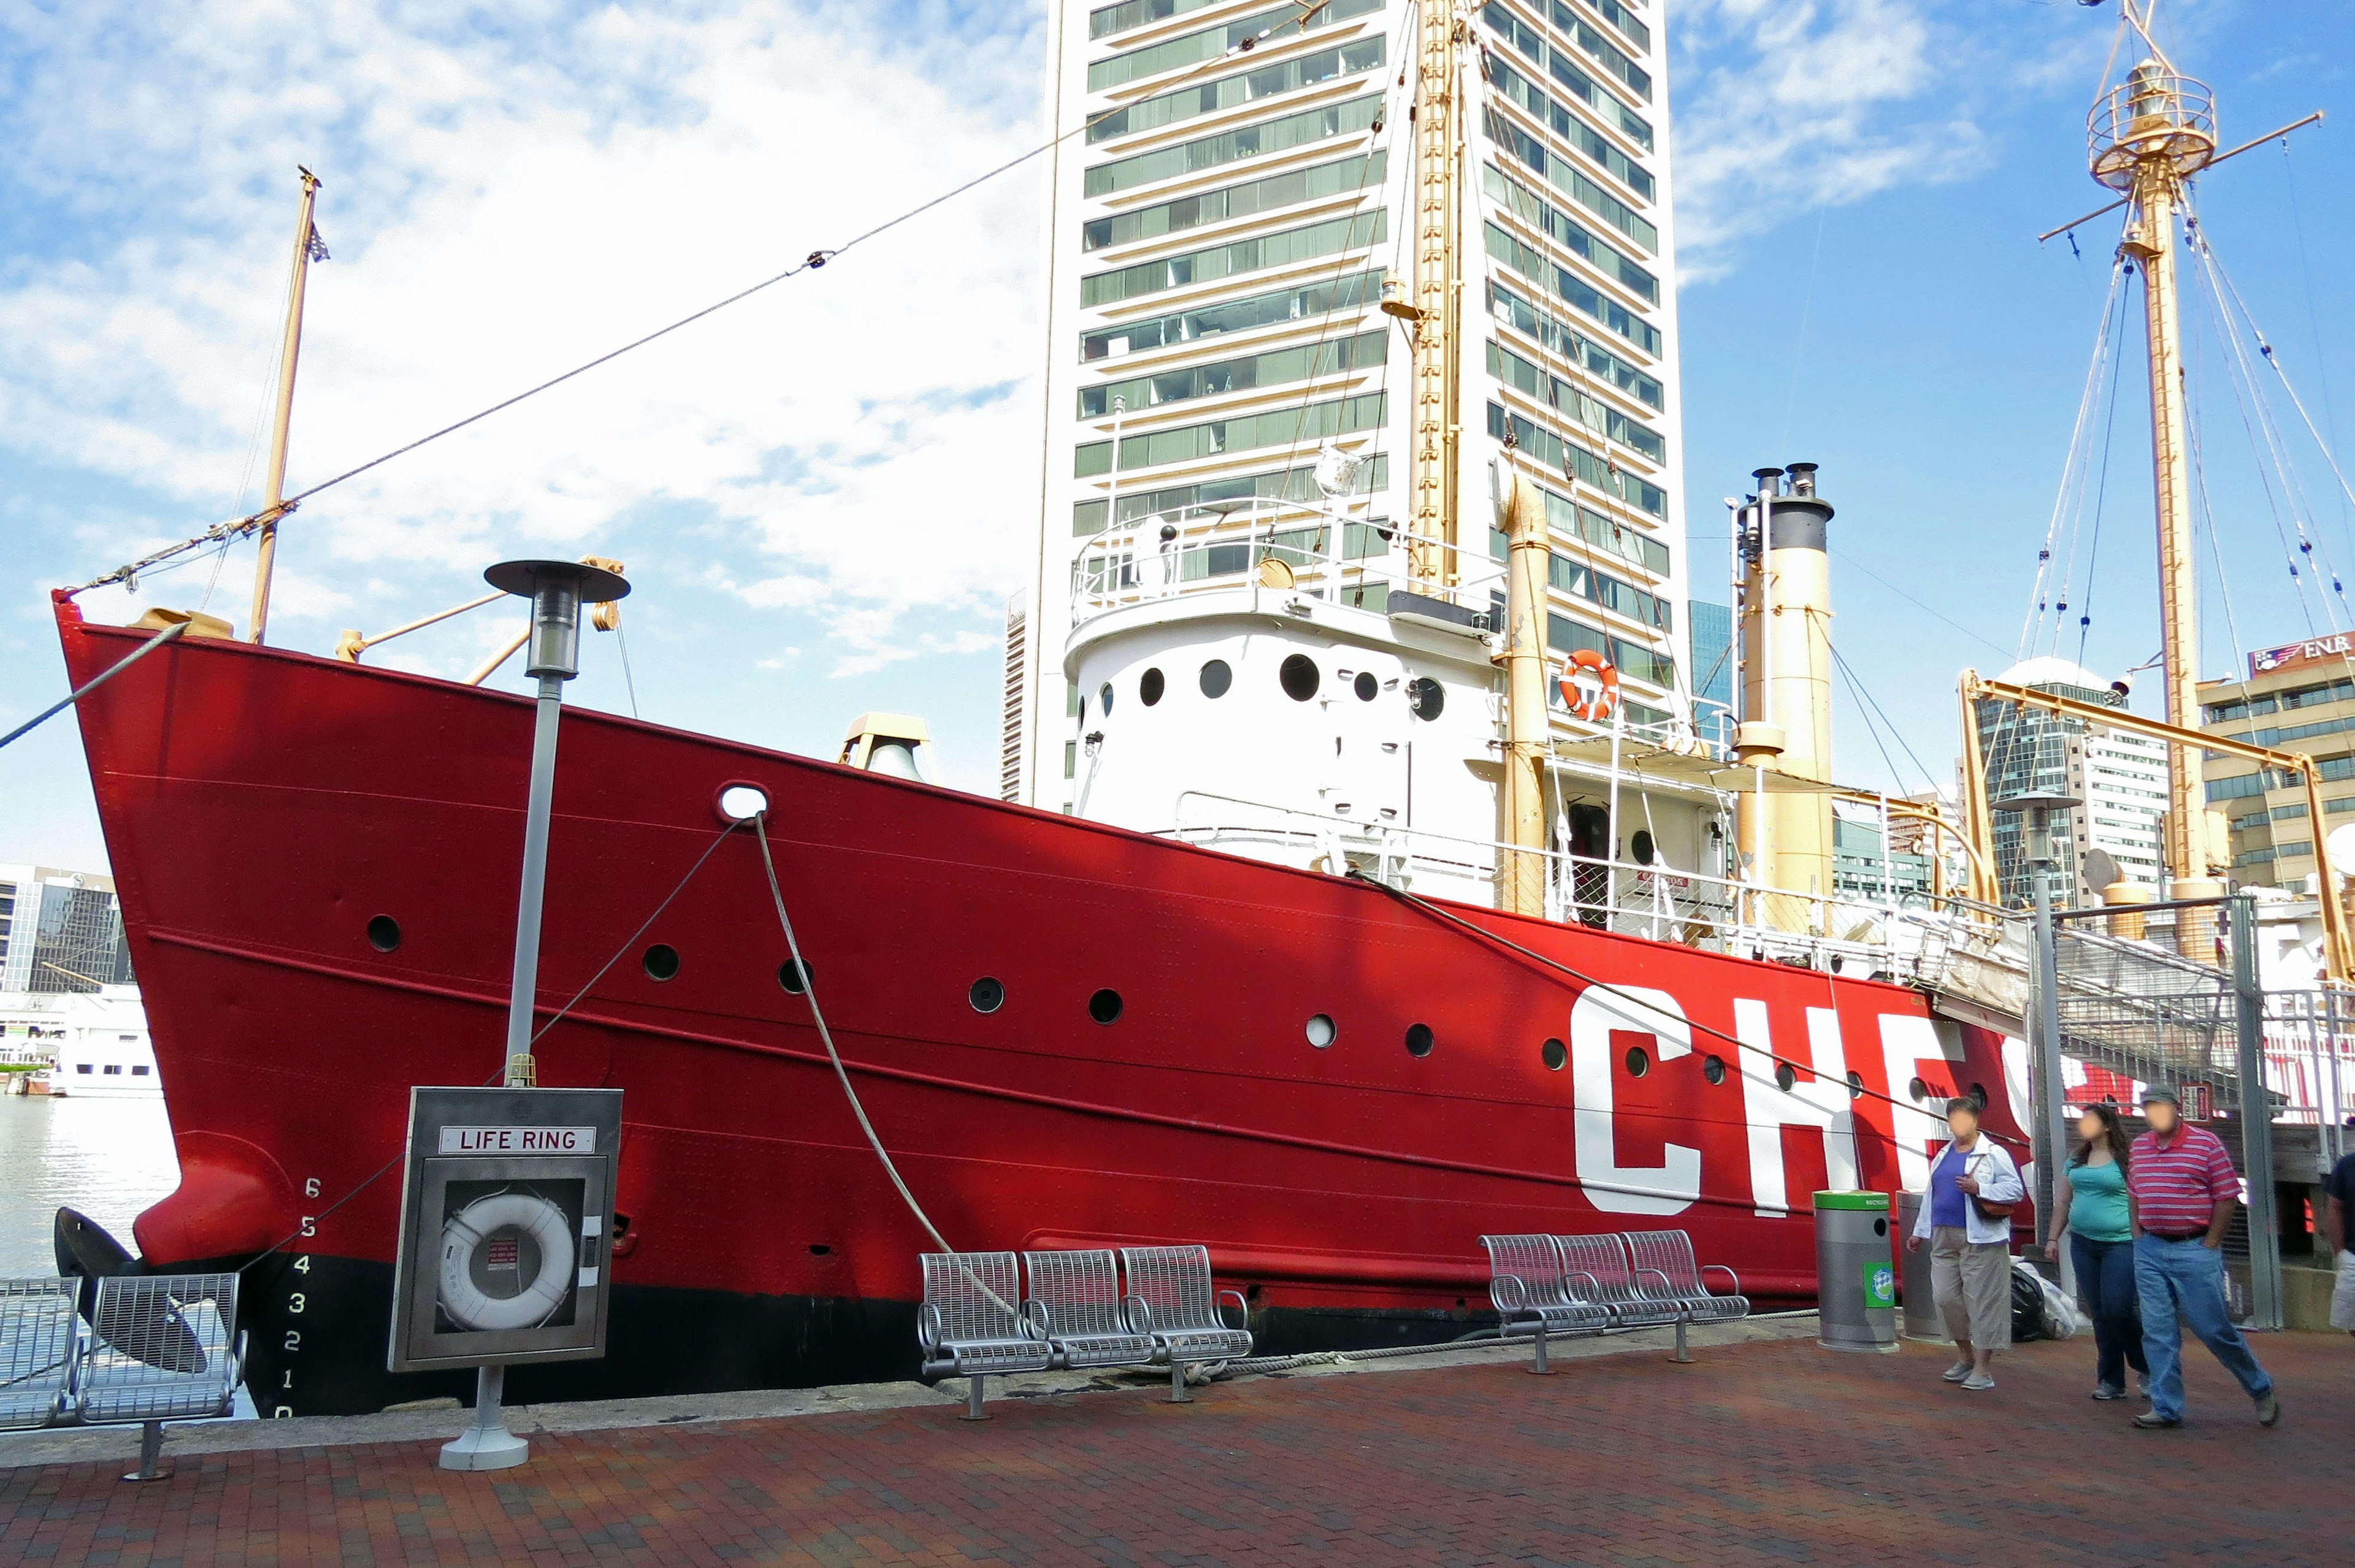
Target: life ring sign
1590, 686
506, 1217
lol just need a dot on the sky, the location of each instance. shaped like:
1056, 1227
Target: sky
825, 494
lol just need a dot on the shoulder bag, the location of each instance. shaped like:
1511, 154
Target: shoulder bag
1990, 1208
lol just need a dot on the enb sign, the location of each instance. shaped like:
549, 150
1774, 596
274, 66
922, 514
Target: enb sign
2291, 656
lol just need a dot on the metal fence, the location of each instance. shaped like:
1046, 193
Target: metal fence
2270, 1072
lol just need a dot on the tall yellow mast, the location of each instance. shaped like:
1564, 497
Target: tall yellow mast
2147, 136
273, 504
1436, 433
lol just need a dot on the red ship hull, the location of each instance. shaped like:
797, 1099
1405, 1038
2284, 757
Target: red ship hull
262, 808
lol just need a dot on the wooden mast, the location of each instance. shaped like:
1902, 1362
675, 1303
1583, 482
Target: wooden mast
2145, 137
1436, 431
273, 504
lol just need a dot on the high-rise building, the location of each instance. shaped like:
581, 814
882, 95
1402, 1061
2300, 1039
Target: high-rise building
1221, 236
1712, 671
59, 931
2120, 777
2300, 697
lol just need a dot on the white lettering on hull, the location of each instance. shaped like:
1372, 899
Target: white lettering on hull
1670, 1187
1905, 1044
1821, 1103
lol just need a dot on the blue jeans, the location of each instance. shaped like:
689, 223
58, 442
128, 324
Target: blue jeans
2105, 1279
2183, 1286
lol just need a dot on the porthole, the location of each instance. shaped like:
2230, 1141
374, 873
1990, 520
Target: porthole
1300, 677
794, 977
743, 802
1418, 1040
1918, 1089
1714, 1069
384, 934
1217, 676
1321, 1030
661, 961
1856, 1086
1639, 1062
1103, 701
986, 993
1642, 847
1104, 1006
1784, 1077
1980, 1095
1150, 687
1425, 698
1553, 1053
1366, 686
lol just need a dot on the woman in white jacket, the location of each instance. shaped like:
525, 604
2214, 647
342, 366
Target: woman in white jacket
1970, 1249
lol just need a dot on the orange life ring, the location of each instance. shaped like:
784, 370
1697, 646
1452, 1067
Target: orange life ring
1590, 685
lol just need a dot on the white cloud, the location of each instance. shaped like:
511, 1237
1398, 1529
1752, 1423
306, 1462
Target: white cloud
857, 443
1785, 106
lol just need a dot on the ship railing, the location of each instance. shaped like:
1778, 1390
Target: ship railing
1287, 547
1839, 934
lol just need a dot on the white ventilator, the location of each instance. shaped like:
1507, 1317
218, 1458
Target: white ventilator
470, 1306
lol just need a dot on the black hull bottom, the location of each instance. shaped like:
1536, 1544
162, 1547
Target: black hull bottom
316, 1339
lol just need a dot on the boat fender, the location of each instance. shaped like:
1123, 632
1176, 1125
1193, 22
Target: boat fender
470, 1306
1590, 685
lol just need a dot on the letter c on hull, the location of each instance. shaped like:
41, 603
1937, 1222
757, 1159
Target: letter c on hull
1670, 1187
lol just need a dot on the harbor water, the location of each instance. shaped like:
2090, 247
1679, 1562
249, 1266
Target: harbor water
108, 1158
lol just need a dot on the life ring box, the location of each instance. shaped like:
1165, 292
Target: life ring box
505, 1225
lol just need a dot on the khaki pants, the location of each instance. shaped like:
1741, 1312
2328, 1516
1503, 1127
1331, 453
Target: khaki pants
1971, 1282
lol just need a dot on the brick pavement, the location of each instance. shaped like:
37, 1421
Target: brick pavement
1770, 1452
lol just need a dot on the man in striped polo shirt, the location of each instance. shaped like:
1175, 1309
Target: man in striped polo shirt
2181, 1189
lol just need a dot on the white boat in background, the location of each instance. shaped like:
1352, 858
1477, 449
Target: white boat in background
95, 1043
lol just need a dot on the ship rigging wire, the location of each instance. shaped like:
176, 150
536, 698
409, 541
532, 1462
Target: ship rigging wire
1856, 683
169, 634
629, 944
760, 825
1856, 1090
239, 527
2068, 501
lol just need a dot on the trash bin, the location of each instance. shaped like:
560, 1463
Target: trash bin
1922, 1320
1856, 1282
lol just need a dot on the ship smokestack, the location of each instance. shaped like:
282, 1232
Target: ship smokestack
1787, 707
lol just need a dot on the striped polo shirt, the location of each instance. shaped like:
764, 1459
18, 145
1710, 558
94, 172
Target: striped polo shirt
2177, 1184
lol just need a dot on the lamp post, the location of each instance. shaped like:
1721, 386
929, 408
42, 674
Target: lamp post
557, 590
2049, 1135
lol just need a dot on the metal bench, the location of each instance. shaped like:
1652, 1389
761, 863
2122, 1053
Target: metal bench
1530, 1287
972, 1323
39, 1332
158, 1347
1075, 1305
1640, 1292
162, 1347
1664, 1267
1171, 1300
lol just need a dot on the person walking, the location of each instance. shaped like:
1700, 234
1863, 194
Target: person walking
1974, 1186
2182, 1188
2339, 1225
2093, 1213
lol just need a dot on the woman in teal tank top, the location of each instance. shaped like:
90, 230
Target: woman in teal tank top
2092, 1208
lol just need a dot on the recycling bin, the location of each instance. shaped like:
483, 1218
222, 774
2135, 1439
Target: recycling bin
1922, 1320
1856, 1279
